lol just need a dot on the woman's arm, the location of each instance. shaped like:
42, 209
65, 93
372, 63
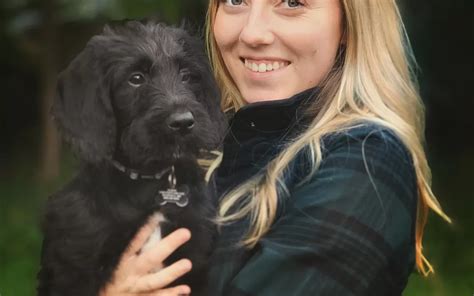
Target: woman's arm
350, 230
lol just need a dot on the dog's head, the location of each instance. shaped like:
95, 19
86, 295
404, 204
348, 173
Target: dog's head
143, 91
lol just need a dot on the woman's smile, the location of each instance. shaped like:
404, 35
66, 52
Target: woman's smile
265, 65
264, 70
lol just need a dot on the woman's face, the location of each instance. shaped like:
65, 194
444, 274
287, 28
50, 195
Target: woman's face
274, 49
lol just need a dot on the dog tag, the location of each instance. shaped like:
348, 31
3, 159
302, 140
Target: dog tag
175, 196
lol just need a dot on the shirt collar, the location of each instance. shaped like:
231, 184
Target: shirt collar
270, 116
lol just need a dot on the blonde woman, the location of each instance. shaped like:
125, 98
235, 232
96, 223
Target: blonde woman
324, 185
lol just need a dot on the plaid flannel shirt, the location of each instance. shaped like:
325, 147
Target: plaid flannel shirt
349, 230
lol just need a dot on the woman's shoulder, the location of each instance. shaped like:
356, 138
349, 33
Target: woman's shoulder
366, 148
366, 173
363, 134
364, 190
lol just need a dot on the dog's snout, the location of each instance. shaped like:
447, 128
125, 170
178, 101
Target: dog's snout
181, 121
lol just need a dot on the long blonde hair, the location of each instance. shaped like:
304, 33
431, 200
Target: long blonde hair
373, 81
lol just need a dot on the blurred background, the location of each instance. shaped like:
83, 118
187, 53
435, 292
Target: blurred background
39, 37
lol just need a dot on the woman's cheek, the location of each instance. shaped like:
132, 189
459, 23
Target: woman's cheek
226, 29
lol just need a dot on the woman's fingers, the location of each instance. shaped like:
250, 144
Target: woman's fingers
163, 278
141, 237
175, 291
133, 274
153, 258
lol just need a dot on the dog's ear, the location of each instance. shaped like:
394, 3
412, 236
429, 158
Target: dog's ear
208, 90
82, 107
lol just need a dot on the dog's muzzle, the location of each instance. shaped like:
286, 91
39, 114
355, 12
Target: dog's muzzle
181, 121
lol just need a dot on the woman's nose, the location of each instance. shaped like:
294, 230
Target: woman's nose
257, 28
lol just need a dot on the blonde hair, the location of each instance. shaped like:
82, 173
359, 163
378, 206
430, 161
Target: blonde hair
373, 80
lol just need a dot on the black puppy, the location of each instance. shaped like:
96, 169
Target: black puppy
138, 104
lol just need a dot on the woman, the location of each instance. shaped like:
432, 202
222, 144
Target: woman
324, 183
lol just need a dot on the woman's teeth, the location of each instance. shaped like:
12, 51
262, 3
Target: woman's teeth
264, 67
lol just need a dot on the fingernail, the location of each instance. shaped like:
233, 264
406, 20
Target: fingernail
186, 232
185, 291
187, 264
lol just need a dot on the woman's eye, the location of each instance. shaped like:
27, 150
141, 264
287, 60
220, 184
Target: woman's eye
293, 3
136, 80
233, 2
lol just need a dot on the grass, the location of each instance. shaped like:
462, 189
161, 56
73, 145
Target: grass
449, 247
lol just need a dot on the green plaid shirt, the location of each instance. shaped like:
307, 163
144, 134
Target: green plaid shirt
349, 230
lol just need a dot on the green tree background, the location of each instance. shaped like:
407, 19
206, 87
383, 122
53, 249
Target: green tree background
39, 37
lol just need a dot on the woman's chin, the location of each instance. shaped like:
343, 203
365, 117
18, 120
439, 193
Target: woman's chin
264, 95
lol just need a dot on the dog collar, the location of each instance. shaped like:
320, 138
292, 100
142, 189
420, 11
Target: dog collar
135, 175
208, 161
173, 195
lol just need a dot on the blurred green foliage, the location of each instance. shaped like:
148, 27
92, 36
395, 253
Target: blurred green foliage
21, 208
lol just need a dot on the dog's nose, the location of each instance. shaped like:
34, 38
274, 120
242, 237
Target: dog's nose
181, 121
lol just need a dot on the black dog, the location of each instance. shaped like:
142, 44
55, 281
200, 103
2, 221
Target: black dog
138, 104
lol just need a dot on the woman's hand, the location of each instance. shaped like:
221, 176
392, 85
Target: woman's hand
143, 273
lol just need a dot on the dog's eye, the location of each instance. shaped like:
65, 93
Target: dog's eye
136, 80
186, 75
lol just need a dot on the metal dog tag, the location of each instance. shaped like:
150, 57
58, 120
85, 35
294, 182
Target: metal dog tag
172, 195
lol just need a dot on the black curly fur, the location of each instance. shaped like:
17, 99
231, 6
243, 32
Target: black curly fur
89, 223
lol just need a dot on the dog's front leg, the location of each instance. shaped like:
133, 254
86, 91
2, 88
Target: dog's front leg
73, 240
